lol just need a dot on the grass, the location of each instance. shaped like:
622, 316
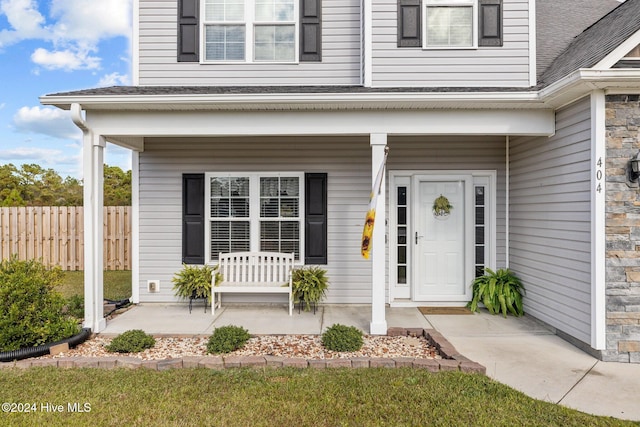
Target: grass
279, 397
117, 284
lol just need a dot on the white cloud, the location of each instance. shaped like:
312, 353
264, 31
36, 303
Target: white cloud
25, 20
32, 154
2, 106
74, 27
114, 79
67, 60
88, 21
46, 121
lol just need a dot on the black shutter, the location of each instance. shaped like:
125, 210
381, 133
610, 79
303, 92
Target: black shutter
193, 218
310, 30
409, 26
490, 25
188, 30
315, 222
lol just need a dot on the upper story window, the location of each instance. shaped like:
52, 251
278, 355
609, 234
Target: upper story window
450, 23
250, 30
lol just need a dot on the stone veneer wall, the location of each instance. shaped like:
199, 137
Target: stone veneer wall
622, 231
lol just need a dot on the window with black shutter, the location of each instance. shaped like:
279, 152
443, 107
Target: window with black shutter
250, 31
449, 23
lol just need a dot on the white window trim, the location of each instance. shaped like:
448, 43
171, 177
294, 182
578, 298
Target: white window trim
249, 23
254, 208
460, 3
404, 178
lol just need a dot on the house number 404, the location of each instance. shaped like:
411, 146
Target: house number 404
599, 175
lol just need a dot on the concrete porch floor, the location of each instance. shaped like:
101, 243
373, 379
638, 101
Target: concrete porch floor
519, 352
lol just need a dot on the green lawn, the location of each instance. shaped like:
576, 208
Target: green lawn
117, 284
278, 397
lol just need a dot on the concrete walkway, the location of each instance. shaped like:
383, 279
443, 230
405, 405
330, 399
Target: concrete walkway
519, 352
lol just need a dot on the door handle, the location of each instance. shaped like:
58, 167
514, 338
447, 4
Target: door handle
417, 237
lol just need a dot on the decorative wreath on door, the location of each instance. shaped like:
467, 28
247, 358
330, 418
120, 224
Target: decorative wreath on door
441, 207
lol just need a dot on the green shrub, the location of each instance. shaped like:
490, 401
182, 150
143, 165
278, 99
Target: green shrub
195, 281
132, 341
499, 291
75, 306
226, 339
342, 338
31, 311
309, 285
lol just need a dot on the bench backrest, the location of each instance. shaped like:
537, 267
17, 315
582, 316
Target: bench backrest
255, 267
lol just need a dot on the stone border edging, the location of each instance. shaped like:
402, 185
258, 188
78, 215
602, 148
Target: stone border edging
451, 361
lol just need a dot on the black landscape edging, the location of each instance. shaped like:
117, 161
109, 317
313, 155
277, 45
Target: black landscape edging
41, 350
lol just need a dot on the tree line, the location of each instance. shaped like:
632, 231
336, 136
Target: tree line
33, 185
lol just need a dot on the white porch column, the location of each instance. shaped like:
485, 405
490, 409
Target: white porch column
378, 259
93, 166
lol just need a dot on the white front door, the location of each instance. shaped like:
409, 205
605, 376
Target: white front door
443, 243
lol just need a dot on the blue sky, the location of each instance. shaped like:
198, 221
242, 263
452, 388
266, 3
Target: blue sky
55, 46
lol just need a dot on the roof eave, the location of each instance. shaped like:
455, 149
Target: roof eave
299, 101
584, 81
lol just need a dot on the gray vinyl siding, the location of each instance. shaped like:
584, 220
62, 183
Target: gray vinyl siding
502, 66
346, 160
340, 53
550, 221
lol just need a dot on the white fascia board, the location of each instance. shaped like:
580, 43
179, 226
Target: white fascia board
371, 100
618, 53
341, 122
582, 82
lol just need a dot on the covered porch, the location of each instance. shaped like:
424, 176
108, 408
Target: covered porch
169, 140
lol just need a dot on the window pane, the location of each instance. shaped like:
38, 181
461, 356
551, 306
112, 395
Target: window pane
402, 216
290, 230
480, 196
269, 208
290, 247
402, 196
402, 274
269, 230
289, 208
402, 235
479, 235
224, 42
480, 216
224, 10
269, 187
449, 26
480, 255
274, 10
274, 43
280, 236
289, 186
240, 207
402, 254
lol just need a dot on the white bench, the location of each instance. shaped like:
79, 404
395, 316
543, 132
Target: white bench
253, 272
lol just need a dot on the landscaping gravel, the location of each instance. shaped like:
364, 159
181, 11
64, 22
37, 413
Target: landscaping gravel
292, 346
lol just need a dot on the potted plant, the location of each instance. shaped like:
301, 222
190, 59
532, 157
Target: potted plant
309, 285
441, 206
194, 281
499, 291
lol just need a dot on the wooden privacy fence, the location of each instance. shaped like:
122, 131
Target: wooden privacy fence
55, 235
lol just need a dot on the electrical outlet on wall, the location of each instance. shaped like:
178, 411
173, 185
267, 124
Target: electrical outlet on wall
153, 286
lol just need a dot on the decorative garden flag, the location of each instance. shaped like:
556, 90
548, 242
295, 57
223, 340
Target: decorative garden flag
371, 213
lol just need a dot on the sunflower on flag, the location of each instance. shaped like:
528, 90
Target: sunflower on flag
369, 221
